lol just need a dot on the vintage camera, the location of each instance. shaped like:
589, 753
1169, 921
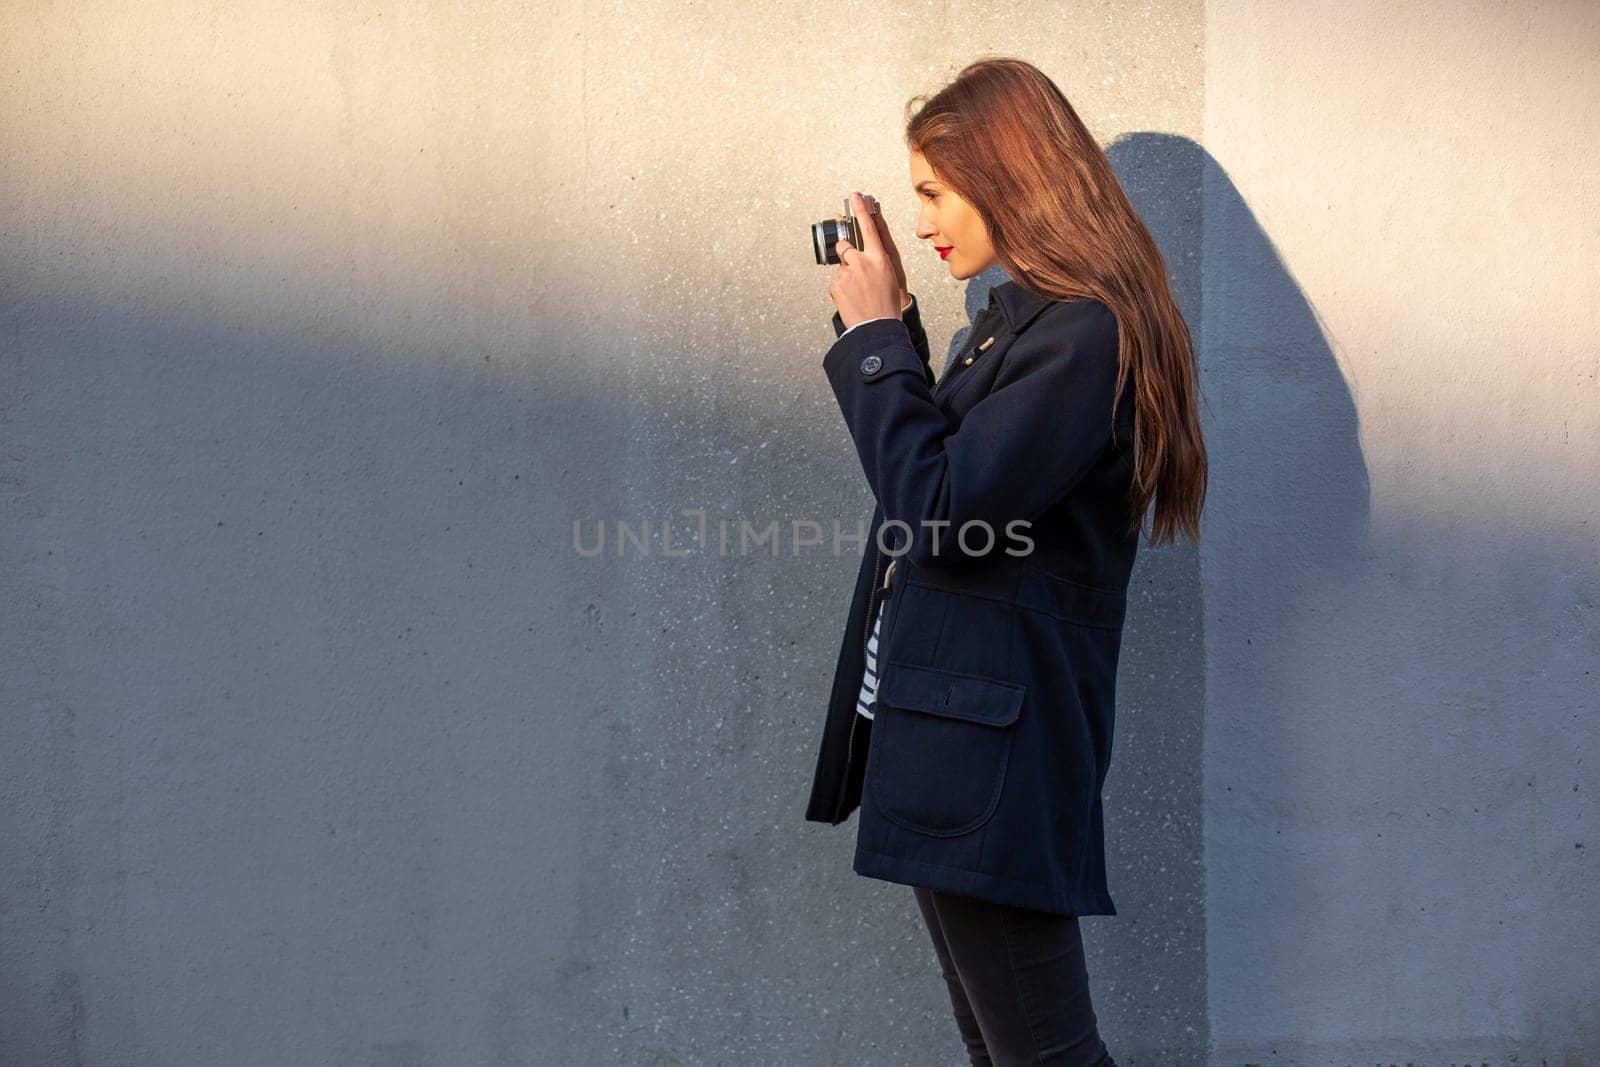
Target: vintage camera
825, 234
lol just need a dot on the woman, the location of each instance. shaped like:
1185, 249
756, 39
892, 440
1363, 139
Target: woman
971, 712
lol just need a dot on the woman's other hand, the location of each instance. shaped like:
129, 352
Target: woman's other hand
868, 283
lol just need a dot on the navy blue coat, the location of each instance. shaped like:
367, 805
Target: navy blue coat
981, 770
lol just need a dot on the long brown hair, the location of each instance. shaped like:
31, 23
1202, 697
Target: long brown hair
1006, 139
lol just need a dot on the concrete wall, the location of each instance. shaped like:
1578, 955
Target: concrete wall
1402, 565
319, 329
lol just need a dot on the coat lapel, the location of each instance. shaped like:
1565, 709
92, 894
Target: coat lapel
1011, 308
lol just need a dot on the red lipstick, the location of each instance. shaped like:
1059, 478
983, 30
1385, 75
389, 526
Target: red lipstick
943, 252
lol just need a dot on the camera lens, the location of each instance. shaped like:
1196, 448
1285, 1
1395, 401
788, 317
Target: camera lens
829, 232
824, 235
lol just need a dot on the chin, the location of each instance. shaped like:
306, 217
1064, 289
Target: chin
960, 272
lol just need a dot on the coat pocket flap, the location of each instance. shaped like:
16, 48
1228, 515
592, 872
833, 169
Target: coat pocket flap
950, 695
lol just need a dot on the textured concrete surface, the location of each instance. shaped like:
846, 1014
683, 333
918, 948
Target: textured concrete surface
1401, 563
322, 743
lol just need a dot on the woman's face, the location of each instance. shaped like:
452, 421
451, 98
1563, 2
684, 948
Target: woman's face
950, 222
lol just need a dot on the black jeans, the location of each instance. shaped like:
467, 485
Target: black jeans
1017, 982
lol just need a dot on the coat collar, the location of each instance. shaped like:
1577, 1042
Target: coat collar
1019, 305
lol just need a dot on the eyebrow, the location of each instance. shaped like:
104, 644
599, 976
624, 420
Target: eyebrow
925, 181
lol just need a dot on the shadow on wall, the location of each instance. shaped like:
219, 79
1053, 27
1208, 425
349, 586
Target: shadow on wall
1392, 754
1275, 418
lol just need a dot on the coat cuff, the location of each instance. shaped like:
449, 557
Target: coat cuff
872, 352
911, 313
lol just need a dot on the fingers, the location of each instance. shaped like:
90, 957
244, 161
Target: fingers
883, 232
841, 246
870, 240
887, 247
880, 224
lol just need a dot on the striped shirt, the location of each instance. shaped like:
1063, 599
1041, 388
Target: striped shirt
869, 680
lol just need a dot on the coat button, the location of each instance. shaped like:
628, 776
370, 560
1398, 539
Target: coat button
871, 364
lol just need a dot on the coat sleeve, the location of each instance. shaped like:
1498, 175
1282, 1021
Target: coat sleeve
1015, 454
912, 316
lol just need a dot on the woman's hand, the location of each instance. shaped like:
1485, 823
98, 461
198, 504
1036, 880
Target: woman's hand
893, 253
868, 282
